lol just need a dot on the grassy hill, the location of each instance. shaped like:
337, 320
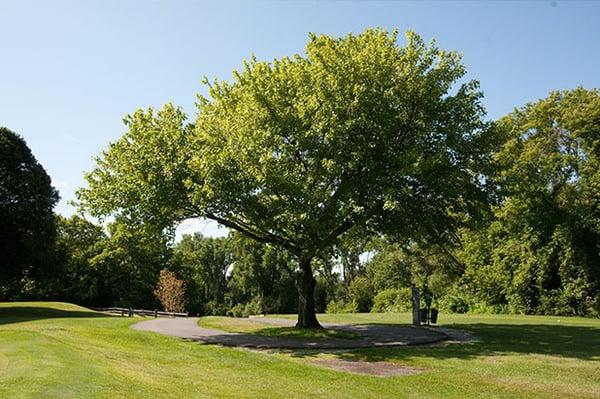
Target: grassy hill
58, 350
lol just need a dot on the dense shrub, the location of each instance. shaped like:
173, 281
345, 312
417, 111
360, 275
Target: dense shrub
340, 306
215, 308
393, 300
456, 302
360, 292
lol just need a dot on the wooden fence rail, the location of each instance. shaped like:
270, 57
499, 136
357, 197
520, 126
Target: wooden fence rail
130, 312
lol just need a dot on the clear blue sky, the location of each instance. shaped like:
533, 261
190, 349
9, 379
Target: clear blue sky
70, 70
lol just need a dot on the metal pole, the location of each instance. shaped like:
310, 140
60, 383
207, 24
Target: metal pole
416, 314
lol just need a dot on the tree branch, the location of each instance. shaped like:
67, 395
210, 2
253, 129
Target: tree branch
268, 238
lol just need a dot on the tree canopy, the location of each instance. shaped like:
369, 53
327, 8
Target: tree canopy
27, 229
357, 133
540, 253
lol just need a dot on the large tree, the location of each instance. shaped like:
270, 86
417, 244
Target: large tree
357, 133
27, 227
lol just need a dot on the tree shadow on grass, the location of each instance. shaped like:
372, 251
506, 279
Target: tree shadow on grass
19, 314
578, 342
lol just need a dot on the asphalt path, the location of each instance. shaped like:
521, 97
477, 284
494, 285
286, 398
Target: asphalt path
367, 335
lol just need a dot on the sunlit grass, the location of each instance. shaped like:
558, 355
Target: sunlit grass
249, 326
53, 350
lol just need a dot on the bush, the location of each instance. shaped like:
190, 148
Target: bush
215, 308
456, 302
340, 306
393, 300
257, 305
237, 310
360, 292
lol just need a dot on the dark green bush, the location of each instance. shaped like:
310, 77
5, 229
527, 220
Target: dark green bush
393, 300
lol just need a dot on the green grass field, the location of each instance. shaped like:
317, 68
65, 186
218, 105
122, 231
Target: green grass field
239, 325
56, 350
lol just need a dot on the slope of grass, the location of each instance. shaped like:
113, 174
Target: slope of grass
51, 350
249, 326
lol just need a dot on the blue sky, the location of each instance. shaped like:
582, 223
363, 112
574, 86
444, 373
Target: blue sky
70, 70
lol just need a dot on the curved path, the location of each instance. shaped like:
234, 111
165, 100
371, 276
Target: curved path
368, 335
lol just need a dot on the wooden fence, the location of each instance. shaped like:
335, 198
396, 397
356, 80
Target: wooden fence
140, 312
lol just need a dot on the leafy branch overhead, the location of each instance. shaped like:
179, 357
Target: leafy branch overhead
357, 132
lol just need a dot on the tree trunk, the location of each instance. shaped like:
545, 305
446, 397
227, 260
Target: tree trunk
307, 318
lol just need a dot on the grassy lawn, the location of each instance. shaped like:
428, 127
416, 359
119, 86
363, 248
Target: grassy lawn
55, 350
249, 326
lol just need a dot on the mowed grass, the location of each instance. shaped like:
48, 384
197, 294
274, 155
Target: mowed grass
55, 350
250, 326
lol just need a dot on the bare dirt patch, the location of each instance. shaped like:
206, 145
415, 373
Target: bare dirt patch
381, 369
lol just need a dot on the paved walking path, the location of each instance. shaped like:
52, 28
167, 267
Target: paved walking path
368, 335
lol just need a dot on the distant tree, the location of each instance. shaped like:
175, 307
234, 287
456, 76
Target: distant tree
27, 227
261, 271
348, 250
396, 266
388, 267
361, 294
128, 265
170, 291
358, 133
203, 263
540, 253
78, 242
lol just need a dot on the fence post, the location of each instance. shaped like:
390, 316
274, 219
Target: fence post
155, 313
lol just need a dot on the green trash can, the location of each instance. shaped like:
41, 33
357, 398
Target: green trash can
433, 316
423, 315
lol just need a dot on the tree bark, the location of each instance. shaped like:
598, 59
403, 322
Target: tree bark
306, 282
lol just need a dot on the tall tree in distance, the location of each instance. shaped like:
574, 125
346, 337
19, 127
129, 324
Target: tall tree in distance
357, 133
78, 242
27, 226
540, 252
203, 262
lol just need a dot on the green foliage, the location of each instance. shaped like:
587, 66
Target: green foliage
116, 269
426, 266
456, 303
388, 268
142, 176
129, 265
292, 140
340, 306
27, 226
540, 252
203, 262
262, 273
256, 306
78, 242
393, 300
361, 294
357, 133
